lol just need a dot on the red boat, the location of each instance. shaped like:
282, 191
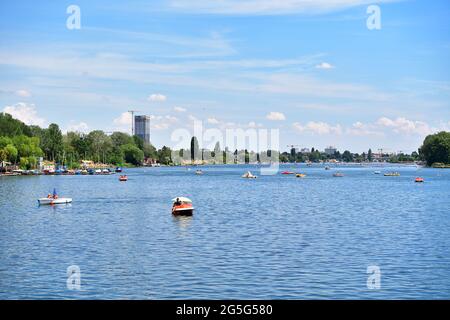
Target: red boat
182, 206
419, 179
123, 178
287, 172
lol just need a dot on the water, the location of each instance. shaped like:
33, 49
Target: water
275, 237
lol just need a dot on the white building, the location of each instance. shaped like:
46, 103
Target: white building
330, 150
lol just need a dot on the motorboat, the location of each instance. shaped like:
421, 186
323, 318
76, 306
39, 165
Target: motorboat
118, 169
338, 174
300, 175
419, 180
249, 175
123, 178
287, 172
182, 206
106, 171
377, 172
199, 172
53, 199
98, 171
327, 168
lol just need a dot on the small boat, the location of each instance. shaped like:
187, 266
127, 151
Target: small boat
300, 175
377, 172
392, 174
249, 175
123, 178
338, 174
287, 172
52, 199
98, 171
118, 169
182, 206
419, 179
199, 172
106, 171
327, 168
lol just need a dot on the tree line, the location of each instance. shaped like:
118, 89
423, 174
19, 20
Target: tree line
23, 145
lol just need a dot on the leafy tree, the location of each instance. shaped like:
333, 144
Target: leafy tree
436, 148
52, 143
165, 155
132, 154
150, 151
139, 142
100, 145
11, 127
370, 155
347, 156
11, 153
121, 138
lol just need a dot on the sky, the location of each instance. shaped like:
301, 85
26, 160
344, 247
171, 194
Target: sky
311, 69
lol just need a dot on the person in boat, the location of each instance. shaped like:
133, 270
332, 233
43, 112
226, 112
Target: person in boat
177, 202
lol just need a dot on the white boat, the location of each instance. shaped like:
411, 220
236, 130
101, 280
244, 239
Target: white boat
52, 201
98, 171
249, 175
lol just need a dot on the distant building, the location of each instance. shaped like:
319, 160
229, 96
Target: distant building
142, 128
330, 150
305, 150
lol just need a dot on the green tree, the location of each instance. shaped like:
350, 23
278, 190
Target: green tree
370, 155
100, 145
11, 153
347, 156
132, 154
11, 127
121, 138
52, 143
436, 148
165, 155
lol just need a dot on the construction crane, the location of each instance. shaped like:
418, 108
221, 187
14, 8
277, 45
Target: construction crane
132, 120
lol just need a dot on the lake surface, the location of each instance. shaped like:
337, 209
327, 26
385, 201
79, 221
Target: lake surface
275, 237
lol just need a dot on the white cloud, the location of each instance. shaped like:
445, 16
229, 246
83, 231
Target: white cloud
157, 97
265, 7
324, 65
275, 116
78, 127
320, 128
26, 113
179, 109
403, 125
123, 120
213, 121
23, 93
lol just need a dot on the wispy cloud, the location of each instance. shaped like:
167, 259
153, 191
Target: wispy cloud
265, 7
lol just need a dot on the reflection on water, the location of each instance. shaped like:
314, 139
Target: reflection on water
275, 237
183, 222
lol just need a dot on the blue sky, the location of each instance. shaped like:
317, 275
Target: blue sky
313, 70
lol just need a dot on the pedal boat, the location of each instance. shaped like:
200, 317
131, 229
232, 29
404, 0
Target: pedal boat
182, 206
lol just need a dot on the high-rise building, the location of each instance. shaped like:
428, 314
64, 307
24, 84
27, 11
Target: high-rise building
330, 150
142, 128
